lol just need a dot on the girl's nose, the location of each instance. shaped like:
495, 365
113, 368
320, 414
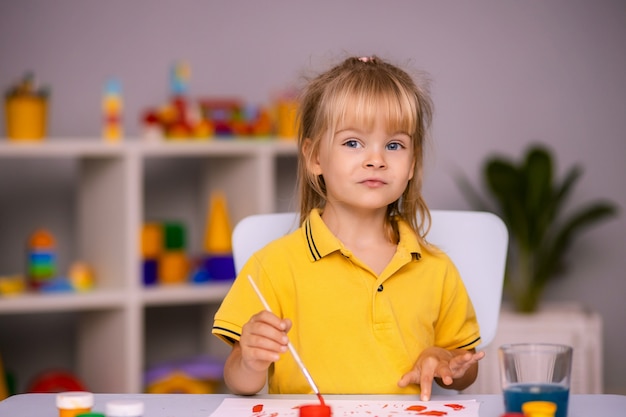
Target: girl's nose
375, 160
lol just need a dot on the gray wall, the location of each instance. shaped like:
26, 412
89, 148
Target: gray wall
506, 73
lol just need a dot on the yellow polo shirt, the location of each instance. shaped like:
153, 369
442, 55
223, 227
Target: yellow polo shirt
356, 332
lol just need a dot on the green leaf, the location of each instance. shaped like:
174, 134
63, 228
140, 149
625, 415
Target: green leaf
581, 219
563, 190
506, 182
538, 177
532, 202
537, 172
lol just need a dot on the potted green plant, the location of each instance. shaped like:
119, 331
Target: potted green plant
532, 202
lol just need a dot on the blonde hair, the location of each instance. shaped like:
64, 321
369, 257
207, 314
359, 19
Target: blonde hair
360, 88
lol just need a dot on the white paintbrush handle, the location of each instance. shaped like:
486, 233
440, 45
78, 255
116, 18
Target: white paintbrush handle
293, 351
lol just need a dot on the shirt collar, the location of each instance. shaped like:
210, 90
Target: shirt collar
322, 242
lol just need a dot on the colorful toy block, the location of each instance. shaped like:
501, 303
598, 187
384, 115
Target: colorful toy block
41, 258
218, 256
112, 106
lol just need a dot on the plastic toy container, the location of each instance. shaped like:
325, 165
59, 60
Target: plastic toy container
26, 117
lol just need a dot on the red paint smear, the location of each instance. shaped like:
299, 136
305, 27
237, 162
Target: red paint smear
433, 413
455, 407
321, 398
416, 408
257, 408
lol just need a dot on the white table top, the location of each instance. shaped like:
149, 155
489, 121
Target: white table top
202, 405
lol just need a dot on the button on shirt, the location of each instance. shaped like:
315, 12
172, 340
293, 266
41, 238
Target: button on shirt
357, 332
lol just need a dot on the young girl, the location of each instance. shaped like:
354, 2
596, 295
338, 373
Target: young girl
368, 304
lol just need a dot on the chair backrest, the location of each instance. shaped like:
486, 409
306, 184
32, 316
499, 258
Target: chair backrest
476, 242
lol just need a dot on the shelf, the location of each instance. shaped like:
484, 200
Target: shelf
76, 147
67, 148
61, 302
167, 295
215, 147
95, 196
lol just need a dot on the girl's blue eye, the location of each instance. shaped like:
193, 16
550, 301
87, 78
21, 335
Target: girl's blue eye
393, 146
352, 143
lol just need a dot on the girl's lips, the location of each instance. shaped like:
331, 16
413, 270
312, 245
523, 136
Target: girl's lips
373, 182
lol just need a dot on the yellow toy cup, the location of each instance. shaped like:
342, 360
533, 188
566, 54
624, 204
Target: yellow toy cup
286, 114
26, 117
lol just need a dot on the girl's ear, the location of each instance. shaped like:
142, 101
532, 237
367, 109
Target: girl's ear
310, 157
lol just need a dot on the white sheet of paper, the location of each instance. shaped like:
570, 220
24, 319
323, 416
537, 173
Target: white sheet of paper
243, 407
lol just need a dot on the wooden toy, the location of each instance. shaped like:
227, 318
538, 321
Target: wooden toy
12, 285
56, 381
173, 267
56, 284
179, 383
41, 258
81, 276
223, 114
163, 250
286, 127
180, 75
174, 236
151, 240
112, 105
26, 110
4, 389
150, 271
198, 375
218, 230
218, 257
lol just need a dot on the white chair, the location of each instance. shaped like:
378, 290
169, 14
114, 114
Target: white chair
476, 241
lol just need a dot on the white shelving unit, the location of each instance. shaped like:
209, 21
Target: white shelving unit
109, 335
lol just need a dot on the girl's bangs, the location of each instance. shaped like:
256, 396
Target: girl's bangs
362, 107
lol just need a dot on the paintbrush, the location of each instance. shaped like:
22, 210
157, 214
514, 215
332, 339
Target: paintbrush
293, 351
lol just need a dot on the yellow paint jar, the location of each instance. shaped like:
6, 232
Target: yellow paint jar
26, 117
539, 409
73, 403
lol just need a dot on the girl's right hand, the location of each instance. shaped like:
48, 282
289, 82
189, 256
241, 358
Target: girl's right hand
263, 340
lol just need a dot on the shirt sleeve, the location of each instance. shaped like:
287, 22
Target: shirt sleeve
457, 327
241, 302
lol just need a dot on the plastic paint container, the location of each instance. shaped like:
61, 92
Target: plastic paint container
124, 408
315, 410
73, 403
539, 409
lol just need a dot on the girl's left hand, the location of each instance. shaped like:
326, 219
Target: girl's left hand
450, 366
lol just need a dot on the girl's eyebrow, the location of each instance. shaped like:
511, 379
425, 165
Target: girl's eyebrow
401, 132
348, 129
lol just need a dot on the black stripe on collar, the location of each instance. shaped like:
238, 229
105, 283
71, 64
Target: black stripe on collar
311, 242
